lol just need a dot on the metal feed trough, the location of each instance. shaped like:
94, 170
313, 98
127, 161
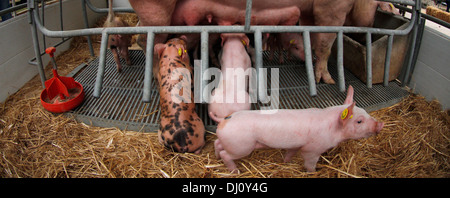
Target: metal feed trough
204, 31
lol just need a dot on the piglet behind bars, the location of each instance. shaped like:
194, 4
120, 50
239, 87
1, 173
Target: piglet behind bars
180, 127
310, 131
231, 94
118, 43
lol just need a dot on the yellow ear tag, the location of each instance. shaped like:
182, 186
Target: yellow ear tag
244, 43
392, 6
344, 114
292, 41
185, 51
180, 52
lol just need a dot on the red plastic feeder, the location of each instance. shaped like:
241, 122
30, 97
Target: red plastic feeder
61, 93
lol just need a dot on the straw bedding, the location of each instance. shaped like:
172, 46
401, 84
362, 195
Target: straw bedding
438, 13
36, 143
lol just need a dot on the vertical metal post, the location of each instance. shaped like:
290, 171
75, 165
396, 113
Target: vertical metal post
43, 22
86, 25
34, 35
148, 67
258, 66
13, 3
61, 21
309, 64
406, 75
205, 61
101, 65
340, 61
387, 62
248, 13
369, 59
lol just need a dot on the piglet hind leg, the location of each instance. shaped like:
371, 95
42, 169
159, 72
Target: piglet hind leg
127, 56
218, 147
228, 160
310, 159
117, 59
289, 154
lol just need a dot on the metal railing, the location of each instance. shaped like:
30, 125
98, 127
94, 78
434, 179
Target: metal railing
247, 28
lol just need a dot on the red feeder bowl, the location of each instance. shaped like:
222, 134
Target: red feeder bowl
61, 93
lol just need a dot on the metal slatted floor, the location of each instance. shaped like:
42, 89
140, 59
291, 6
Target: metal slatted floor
120, 104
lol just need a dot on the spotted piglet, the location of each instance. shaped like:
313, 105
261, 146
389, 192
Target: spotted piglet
180, 127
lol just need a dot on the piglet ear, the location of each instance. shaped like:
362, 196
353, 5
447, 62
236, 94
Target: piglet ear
223, 37
184, 38
158, 49
349, 98
245, 40
347, 114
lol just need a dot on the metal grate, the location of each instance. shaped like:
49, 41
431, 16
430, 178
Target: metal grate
120, 104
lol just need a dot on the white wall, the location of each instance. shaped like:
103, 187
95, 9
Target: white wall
16, 45
121, 4
431, 77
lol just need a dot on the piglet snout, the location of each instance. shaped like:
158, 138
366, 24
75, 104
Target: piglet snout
378, 127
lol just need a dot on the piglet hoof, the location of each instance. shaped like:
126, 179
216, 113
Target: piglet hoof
198, 151
129, 62
310, 169
329, 80
119, 69
235, 171
325, 76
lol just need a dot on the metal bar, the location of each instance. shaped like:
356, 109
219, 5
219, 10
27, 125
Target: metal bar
12, 9
369, 59
406, 2
61, 21
148, 67
13, 3
417, 45
309, 64
340, 61
101, 65
86, 25
105, 10
410, 58
33, 60
387, 62
258, 66
248, 13
205, 61
218, 29
43, 22
198, 81
436, 20
34, 35
406, 75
